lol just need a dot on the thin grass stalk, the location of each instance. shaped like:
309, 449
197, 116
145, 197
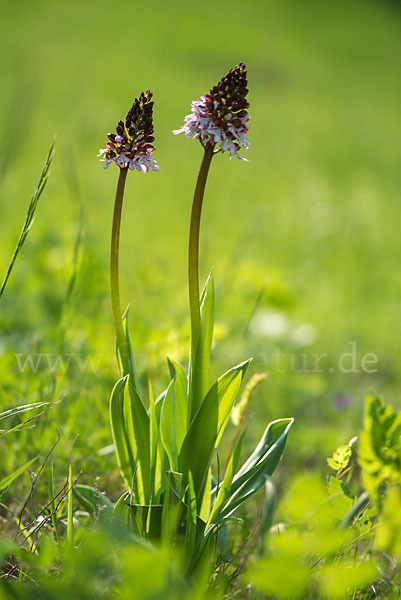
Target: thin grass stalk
29, 215
70, 528
52, 503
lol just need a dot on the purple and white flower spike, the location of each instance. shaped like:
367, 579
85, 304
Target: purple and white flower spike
132, 145
220, 119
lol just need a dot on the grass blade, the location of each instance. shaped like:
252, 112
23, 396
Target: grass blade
52, 503
30, 215
70, 530
10, 478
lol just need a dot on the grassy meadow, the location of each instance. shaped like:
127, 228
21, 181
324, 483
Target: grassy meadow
304, 238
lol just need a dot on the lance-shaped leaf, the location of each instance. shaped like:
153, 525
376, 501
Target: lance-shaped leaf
131, 361
257, 469
137, 424
181, 408
224, 488
157, 453
200, 356
207, 427
190, 531
174, 414
124, 457
206, 502
131, 434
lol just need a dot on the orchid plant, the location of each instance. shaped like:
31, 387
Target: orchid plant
166, 447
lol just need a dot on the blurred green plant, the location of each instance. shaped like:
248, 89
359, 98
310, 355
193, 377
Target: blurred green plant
338, 543
104, 563
380, 446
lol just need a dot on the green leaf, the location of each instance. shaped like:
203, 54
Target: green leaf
355, 511
224, 488
3, 493
131, 361
190, 531
171, 508
200, 356
10, 478
12, 412
340, 458
156, 450
167, 426
130, 426
388, 531
70, 520
226, 392
208, 425
268, 452
122, 511
130, 354
177, 373
174, 414
267, 518
380, 446
124, 456
137, 427
339, 499
52, 502
206, 501
93, 501
258, 468
147, 520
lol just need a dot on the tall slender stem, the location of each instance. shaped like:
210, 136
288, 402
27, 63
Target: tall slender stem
193, 251
114, 270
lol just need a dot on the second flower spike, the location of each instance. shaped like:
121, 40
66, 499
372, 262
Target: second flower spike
131, 145
220, 119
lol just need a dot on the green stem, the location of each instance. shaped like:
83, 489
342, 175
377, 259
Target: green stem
193, 252
114, 271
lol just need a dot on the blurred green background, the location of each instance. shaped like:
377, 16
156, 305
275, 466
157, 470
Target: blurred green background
304, 238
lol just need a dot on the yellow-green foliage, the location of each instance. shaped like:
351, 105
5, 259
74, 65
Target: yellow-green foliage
380, 446
388, 531
312, 555
340, 458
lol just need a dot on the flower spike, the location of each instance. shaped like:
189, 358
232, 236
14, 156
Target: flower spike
219, 118
132, 145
